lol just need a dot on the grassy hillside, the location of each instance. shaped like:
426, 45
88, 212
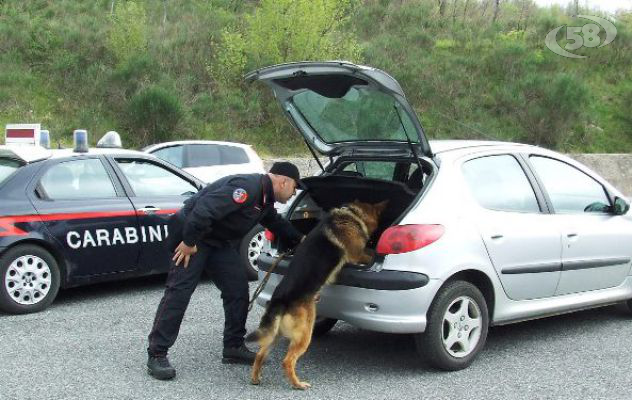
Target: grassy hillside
163, 69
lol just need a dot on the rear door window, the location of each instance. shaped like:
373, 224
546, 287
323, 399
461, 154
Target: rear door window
205, 155
233, 155
149, 179
7, 167
500, 183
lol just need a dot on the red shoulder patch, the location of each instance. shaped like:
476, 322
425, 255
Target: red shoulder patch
240, 196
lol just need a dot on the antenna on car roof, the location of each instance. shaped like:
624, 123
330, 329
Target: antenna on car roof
410, 144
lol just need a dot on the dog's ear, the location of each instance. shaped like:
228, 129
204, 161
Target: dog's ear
379, 207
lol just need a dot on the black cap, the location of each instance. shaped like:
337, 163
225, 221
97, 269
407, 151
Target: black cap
288, 169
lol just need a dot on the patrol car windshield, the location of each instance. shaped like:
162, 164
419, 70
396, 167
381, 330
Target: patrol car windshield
7, 167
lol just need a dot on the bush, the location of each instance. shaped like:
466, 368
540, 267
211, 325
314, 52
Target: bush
153, 114
549, 107
624, 112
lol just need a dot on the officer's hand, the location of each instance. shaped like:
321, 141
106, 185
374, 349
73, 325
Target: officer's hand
183, 252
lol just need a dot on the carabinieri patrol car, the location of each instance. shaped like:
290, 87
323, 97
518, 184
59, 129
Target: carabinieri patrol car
77, 216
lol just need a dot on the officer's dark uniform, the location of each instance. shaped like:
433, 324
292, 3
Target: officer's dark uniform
216, 219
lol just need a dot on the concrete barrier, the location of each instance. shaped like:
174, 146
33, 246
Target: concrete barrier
615, 168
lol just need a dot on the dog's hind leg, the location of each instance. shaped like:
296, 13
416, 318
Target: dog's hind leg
258, 364
300, 338
265, 343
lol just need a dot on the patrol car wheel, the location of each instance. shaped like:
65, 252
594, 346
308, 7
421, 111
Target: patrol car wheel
250, 249
30, 279
457, 327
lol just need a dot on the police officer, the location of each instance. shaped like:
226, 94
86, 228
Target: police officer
205, 234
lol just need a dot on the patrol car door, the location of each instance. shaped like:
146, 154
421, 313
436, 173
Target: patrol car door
157, 191
85, 209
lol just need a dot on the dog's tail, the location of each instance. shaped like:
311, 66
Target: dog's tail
269, 325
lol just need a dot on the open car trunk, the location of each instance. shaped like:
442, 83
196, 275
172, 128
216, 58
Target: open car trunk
330, 191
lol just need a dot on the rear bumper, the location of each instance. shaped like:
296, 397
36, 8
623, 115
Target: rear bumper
384, 301
360, 278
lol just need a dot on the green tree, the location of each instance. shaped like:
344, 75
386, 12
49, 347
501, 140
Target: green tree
288, 30
128, 31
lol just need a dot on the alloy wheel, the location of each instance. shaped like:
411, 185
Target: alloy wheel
28, 280
254, 249
462, 323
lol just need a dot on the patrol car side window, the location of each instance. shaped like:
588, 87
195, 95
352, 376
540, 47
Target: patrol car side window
149, 179
77, 179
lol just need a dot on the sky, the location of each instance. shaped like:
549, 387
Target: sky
604, 5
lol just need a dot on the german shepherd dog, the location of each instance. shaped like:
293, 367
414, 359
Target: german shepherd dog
340, 238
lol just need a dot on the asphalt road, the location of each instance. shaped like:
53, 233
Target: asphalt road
91, 345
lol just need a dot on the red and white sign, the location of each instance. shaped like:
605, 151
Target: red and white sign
22, 134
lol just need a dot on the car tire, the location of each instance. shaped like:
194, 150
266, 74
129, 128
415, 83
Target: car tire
322, 326
249, 251
29, 279
457, 327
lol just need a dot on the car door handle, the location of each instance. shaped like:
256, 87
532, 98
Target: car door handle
572, 235
149, 209
497, 236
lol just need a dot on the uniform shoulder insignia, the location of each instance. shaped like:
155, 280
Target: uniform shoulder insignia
240, 196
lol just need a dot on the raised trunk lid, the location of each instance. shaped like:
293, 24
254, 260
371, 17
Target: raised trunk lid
340, 107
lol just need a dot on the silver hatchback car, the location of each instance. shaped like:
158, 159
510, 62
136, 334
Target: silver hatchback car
476, 233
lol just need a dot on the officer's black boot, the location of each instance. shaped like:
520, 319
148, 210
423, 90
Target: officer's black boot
159, 368
238, 355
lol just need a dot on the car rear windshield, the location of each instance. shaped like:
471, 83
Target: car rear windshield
361, 114
7, 167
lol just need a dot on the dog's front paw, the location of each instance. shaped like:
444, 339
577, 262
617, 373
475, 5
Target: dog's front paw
255, 381
302, 385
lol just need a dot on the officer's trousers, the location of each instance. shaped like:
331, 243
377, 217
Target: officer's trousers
224, 266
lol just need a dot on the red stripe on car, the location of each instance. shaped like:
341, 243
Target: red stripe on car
8, 228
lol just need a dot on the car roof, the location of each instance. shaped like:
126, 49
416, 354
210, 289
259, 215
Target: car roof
30, 153
59, 153
180, 142
444, 146
26, 153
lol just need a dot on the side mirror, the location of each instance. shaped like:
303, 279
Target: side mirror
621, 206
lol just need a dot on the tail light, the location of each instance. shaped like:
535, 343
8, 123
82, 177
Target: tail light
268, 235
404, 238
